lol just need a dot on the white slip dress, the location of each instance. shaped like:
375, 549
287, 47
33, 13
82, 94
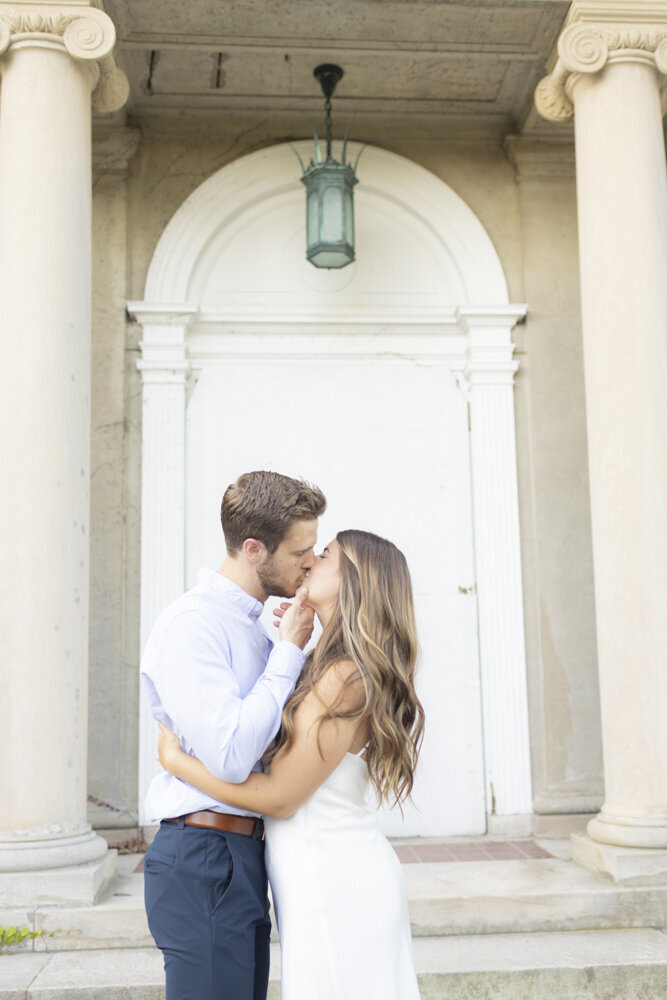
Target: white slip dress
339, 897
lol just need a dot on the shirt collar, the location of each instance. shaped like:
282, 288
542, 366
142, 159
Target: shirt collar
240, 598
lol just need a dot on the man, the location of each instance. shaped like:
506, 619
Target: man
214, 676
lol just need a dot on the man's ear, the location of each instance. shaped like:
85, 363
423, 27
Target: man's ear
253, 550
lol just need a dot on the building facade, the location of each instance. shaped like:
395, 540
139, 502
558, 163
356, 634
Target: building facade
486, 384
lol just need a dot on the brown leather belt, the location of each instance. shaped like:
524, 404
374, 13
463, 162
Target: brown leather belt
230, 823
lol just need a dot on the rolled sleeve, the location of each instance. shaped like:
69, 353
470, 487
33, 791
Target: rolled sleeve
199, 691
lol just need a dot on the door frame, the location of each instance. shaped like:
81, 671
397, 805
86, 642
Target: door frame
476, 341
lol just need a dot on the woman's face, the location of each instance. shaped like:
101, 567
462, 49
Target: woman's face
323, 580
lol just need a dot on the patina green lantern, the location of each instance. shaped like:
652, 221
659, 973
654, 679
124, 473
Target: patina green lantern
329, 195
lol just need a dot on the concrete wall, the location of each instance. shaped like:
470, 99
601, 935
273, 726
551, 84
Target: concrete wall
533, 226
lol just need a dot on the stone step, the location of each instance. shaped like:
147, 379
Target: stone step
574, 965
532, 895
455, 898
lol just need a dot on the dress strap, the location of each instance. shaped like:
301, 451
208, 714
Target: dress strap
363, 750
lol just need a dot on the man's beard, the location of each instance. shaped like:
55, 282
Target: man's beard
272, 585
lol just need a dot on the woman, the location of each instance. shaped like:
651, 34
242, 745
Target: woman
353, 717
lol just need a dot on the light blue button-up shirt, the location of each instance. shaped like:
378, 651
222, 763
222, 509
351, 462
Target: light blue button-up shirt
213, 675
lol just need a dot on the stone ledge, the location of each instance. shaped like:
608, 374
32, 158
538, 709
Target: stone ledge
523, 896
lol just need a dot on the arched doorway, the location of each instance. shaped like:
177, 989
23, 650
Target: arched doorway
390, 384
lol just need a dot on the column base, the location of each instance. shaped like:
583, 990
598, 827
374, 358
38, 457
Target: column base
624, 865
645, 831
60, 852
77, 885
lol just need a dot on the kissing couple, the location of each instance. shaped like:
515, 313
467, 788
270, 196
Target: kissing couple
253, 728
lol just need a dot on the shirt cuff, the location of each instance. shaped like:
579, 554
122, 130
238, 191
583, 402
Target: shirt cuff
287, 659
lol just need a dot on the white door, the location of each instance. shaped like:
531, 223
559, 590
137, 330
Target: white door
387, 440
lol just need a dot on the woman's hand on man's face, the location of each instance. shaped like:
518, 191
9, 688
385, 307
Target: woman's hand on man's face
295, 621
279, 612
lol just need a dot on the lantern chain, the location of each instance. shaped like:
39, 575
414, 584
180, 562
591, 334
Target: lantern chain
327, 111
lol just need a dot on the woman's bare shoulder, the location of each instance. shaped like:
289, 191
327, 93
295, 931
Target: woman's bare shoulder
341, 686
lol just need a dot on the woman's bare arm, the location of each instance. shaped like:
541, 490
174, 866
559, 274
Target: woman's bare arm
296, 773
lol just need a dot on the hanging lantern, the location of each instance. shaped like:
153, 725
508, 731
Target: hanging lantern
329, 196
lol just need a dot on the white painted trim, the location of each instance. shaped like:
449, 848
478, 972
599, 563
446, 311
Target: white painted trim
488, 377
262, 175
475, 339
308, 343
164, 372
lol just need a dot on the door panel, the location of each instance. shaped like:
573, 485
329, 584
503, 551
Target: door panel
387, 441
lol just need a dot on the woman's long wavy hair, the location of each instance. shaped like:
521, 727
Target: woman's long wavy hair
374, 627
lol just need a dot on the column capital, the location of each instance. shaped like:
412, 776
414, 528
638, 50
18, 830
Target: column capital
598, 33
78, 27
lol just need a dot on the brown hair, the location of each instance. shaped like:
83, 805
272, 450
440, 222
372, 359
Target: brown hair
263, 505
374, 628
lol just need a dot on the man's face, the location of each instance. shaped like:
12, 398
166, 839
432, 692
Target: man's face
282, 573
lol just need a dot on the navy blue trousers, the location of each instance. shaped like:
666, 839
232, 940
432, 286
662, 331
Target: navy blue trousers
207, 907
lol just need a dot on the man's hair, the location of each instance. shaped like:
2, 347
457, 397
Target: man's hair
263, 505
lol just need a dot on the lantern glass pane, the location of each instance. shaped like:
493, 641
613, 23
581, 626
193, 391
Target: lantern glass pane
332, 209
313, 217
348, 217
331, 259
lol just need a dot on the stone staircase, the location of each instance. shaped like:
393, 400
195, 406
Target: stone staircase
532, 929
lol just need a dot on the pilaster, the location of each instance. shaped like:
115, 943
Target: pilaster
566, 745
164, 368
487, 378
112, 680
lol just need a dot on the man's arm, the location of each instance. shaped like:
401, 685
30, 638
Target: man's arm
296, 773
201, 695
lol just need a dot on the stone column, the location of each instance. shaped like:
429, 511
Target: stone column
53, 56
611, 57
